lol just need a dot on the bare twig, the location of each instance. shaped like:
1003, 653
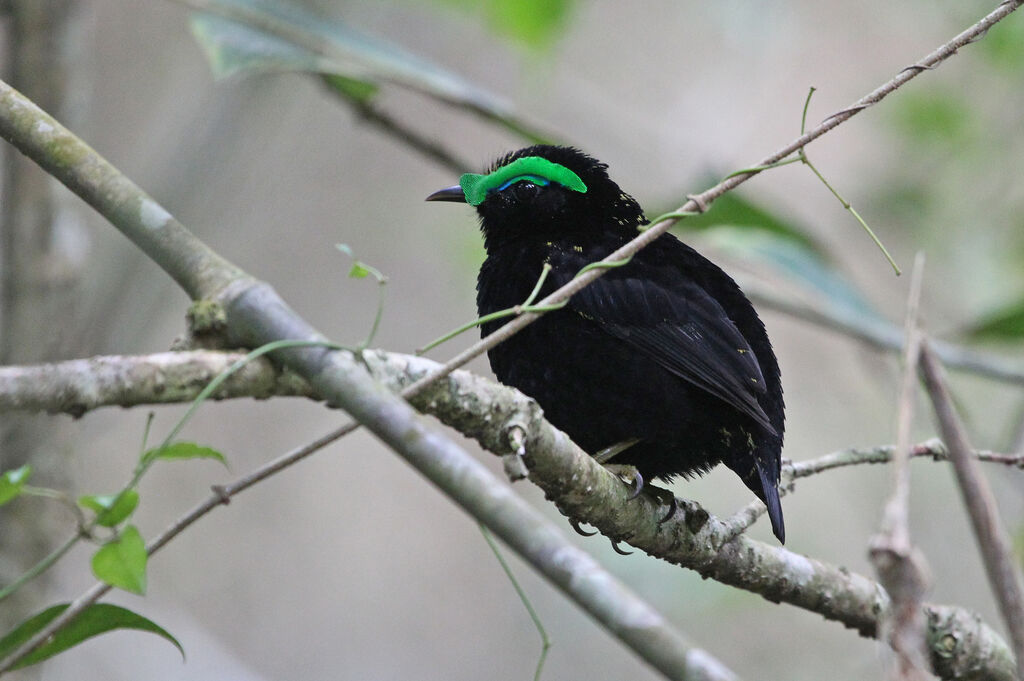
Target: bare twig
900, 566
933, 449
1003, 573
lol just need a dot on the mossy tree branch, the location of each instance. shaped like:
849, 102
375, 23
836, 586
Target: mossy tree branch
960, 645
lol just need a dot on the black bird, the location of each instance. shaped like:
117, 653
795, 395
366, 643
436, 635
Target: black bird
665, 352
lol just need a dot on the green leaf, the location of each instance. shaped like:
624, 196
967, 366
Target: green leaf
1005, 324
180, 451
274, 36
358, 271
121, 562
12, 482
535, 23
97, 619
110, 509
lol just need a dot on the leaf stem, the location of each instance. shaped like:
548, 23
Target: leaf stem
545, 641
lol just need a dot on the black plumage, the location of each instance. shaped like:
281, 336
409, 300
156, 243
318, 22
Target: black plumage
665, 350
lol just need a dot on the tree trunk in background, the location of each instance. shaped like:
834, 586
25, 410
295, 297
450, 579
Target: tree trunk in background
41, 251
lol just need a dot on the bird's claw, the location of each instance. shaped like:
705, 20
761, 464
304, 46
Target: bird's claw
621, 552
579, 530
673, 506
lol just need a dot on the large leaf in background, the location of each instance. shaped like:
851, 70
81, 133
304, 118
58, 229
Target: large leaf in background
752, 232
95, 620
733, 209
801, 266
1006, 324
276, 36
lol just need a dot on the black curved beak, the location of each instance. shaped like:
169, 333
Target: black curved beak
448, 194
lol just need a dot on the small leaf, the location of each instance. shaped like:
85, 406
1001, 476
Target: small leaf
97, 619
12, 482
110, 509
358, 271
1005, 324
122, 562
180, 451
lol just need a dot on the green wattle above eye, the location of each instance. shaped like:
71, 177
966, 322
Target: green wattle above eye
533, 168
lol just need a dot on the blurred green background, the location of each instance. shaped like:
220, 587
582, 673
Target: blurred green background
349, 566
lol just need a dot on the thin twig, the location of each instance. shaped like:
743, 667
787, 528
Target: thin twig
900, 566
802, 155
996, 549
933, 449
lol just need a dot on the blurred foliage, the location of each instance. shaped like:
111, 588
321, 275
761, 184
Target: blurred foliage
797, 264
933, 116
733, 209
1006, 324
251, 36
533, 23
274, 36
761, 236
1002, 45
12, 483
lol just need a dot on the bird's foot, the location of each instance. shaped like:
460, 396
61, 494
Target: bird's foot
629, 475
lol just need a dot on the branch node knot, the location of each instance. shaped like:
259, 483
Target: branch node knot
222, 494
698, 200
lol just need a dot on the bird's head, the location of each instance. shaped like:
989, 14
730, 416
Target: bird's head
543, 192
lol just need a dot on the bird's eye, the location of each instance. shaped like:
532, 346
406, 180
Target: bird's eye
525, 190
533, 180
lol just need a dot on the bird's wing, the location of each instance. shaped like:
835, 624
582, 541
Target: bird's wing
681, 327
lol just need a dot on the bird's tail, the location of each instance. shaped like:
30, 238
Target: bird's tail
770, 496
